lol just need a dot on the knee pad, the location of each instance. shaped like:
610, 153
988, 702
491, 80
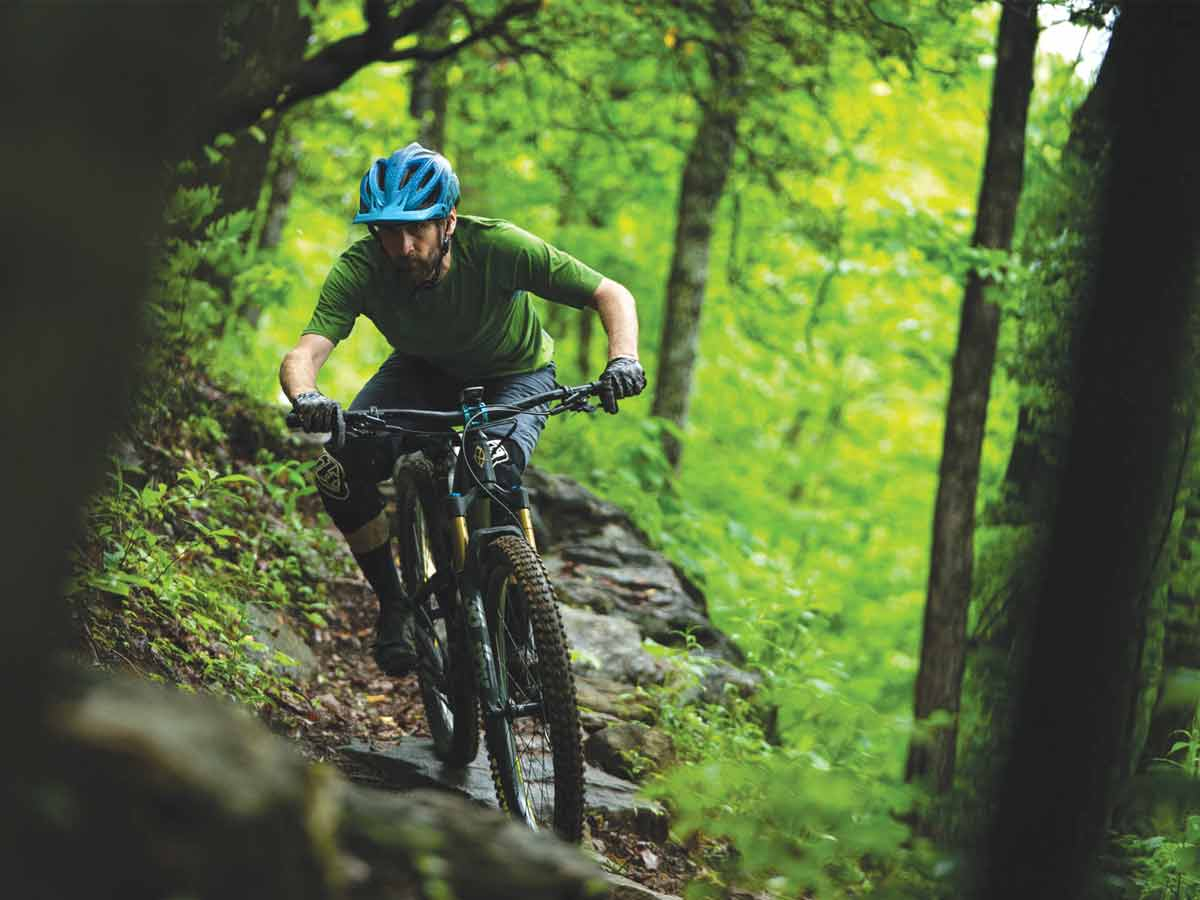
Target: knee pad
331, 477
509, 463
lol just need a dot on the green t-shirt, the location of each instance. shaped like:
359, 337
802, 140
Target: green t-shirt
479, 320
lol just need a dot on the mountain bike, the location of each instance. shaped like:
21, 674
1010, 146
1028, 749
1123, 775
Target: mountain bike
489, 634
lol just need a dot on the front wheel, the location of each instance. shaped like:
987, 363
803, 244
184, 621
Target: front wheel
444, 670
533, 737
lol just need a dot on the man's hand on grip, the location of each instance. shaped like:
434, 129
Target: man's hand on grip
316, 411
622, 377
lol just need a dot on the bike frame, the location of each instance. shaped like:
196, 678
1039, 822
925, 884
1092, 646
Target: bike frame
474, 467
463, 518
467, 512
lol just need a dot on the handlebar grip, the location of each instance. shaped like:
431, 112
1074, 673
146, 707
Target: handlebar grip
337, 435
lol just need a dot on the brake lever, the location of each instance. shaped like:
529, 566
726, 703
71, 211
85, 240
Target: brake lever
574, 403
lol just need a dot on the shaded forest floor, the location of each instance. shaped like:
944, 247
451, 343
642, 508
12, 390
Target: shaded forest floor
205, 523
353, 701
207, 519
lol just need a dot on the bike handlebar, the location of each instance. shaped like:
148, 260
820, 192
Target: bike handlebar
449, 418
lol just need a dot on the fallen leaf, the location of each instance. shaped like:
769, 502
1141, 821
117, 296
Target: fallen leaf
387, 720
377, 698
649, 859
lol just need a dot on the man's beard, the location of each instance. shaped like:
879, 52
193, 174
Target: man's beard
419, 269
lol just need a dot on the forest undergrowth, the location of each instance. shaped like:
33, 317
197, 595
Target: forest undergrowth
207, 509
206, 521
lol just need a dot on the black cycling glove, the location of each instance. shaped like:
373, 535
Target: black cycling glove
316, 411
622, 377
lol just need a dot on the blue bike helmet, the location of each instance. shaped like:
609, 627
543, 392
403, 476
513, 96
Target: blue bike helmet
411, 185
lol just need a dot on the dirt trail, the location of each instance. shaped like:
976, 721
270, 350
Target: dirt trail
352, 701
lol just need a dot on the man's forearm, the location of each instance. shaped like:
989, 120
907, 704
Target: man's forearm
618, 315
297, 374
298, 371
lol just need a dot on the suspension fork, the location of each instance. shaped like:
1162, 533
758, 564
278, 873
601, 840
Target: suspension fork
485, 660
521, 507
492, 693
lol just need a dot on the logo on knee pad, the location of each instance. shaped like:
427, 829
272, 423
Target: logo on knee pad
499, 452
331, 478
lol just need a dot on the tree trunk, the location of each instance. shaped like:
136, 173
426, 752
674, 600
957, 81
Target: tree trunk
704, 174
260, 42
1030, 477
283, 182
943, 643
120, 788
120, 124
1135, 386
430, 91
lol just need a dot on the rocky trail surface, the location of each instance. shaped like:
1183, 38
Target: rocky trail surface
614, 592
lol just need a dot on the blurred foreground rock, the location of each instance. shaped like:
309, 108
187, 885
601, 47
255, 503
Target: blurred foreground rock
147, 792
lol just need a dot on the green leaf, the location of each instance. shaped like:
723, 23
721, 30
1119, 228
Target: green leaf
235, 479
258, 134
194, 478
151, 496
133, 579
109, 585
1193, 830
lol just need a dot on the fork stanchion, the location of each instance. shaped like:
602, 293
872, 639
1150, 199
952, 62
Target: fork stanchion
459, 531
527, 526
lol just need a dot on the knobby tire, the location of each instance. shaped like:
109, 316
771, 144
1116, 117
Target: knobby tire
537, 759
445, 673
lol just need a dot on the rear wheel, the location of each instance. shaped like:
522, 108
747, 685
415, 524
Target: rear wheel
444, 672
535, 748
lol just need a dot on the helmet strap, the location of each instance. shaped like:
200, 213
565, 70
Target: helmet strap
443, 249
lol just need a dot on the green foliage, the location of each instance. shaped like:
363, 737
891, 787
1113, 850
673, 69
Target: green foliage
799, 827
803, 503
208, 287
1166, 868
171, 566
1184, 753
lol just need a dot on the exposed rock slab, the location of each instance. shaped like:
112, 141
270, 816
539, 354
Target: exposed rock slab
610, 647
273, 628
411, 763
718, 678
603, 701
598, 559
630, 749
621, 888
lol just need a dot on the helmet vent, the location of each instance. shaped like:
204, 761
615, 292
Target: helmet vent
412, 185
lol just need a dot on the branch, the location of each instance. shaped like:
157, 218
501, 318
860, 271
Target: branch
907, 36
496, 26
333, 65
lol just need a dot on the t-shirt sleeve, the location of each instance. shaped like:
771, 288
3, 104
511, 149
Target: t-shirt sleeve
543, 269
340, 301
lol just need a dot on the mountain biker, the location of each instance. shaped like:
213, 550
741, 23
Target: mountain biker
451, 295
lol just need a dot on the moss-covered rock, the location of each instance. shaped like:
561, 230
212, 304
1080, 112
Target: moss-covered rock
149, 792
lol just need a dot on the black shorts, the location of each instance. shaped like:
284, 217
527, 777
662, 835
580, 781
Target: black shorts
407, 383
348, 478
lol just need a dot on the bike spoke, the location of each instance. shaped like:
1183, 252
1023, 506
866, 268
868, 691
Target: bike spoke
533, 737
532, 745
